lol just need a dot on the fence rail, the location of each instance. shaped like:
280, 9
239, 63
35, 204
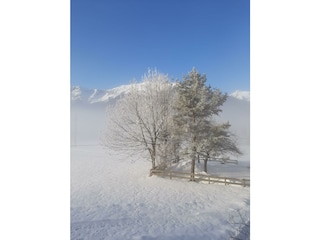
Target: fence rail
201, 177
223, 160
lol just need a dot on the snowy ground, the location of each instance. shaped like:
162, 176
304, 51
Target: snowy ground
112, 197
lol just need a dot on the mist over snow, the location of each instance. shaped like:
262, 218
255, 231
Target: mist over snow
88, 114
236, 110
114, 198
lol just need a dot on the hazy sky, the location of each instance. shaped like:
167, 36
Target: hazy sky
116, 41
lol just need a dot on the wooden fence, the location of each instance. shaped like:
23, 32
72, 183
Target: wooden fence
223, 160
201, 177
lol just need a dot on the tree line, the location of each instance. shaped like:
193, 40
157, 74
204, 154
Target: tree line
170, 121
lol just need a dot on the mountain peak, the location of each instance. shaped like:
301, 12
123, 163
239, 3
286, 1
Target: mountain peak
242, 95
91, 96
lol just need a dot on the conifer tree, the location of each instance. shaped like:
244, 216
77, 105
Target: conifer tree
217, 142
196, 104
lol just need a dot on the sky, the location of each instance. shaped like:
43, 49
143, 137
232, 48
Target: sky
115, 42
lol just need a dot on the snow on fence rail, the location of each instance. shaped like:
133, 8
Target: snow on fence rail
201, 177
224, 160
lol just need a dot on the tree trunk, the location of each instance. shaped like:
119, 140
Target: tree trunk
198, 158
193, 163
192, 169
153, 157
205, 168
153, 160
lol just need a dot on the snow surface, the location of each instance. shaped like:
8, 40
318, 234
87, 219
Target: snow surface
113, 197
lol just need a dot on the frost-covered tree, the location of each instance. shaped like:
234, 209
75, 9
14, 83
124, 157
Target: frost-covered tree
217, 142
196, 104
139, 121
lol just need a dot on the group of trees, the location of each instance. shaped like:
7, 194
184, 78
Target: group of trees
170, 121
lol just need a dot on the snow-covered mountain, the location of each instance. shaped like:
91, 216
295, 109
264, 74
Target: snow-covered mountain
242, 95
91, 96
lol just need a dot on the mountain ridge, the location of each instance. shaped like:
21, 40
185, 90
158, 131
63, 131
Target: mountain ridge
92, 96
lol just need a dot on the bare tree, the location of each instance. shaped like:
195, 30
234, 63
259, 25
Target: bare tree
139, 122
239, 220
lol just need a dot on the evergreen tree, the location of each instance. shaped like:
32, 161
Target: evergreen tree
217, 142
194, 107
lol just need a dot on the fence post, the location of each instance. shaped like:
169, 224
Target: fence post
192, 177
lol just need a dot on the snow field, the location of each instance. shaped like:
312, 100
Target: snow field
113, 197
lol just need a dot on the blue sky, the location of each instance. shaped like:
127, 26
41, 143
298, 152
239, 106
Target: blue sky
116, 41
